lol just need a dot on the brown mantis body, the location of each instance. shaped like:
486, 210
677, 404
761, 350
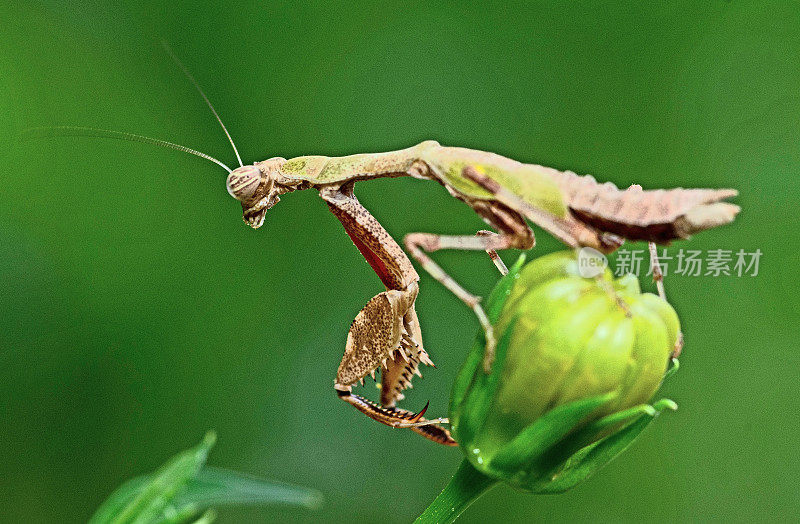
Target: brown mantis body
505, 193
386, 333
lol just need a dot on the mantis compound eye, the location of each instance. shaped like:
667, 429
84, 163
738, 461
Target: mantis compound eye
243, 183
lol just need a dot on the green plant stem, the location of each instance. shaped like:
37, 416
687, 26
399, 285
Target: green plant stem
463, 489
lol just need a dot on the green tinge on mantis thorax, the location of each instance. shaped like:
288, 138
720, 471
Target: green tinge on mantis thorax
329, 170
445, 164
529, 182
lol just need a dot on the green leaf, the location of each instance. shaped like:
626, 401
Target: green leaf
143, 503
674, 367
595, 431
149, 504
665, 403
117, 501
207, 518
217, 486
593, 457
499, 295
173, 515
471, 413
494, 305
462, 382
543, 433
184, 487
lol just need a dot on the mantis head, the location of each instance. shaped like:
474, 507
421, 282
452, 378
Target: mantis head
254, 186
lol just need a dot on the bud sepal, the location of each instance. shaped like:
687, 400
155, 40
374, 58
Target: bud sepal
576, 362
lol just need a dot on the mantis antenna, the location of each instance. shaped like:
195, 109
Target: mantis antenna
121, 135
107, 133
186, 72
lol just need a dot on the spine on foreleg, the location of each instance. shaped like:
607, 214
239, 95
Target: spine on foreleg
658, 215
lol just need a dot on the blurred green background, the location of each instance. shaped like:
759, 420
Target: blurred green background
137, 310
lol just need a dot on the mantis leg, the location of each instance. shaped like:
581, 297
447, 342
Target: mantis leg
655, 267
498, 262
385, 335
658, 278
381, 338
516, 235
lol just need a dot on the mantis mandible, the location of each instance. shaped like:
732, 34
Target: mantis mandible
386, 334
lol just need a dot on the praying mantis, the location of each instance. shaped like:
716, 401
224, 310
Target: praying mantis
506, 194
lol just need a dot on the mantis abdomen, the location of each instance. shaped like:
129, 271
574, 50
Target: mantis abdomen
635, 214
656, 216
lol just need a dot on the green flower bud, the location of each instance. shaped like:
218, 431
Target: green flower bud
577, 360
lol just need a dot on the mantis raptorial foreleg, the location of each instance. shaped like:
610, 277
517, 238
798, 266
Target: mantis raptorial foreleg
385, 334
